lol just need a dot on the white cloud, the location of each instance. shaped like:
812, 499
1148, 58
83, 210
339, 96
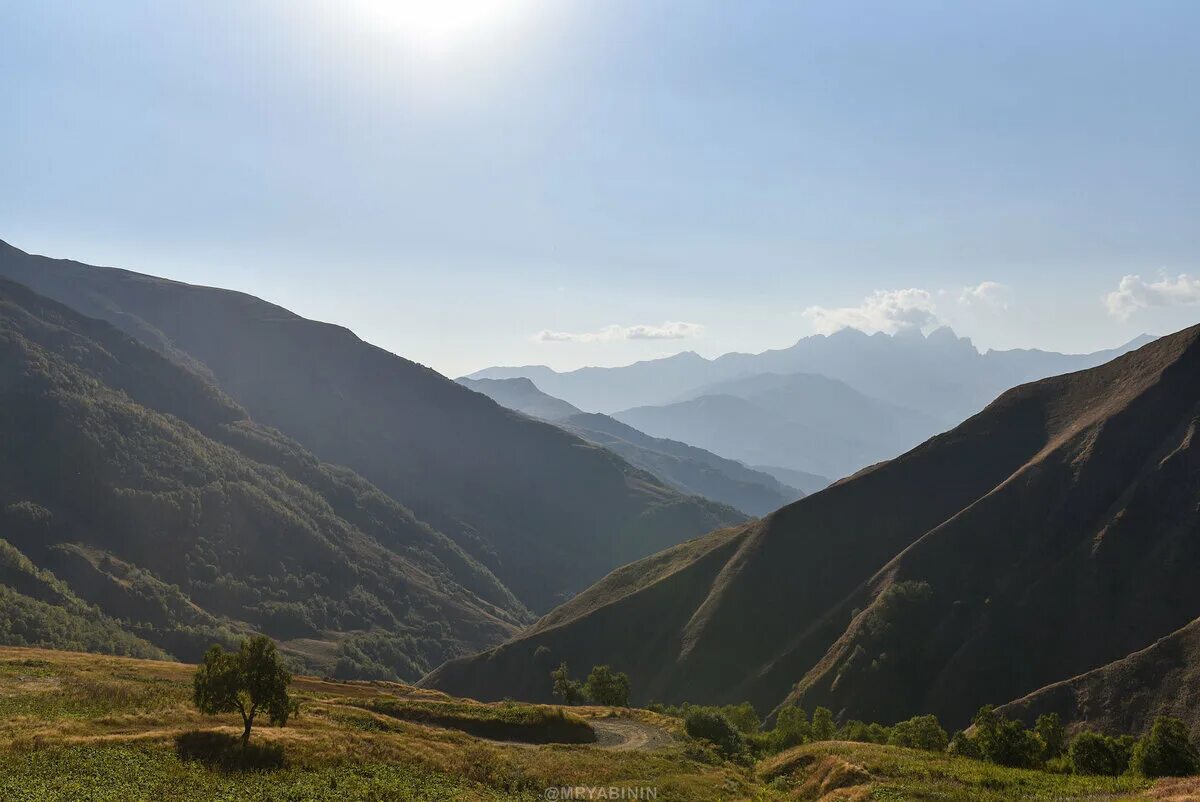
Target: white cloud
1134, 293
671, 330
887, 311
986, 293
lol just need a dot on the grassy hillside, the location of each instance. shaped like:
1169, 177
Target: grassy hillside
544, 511
142, 512
849, 772
936, 582
76, 726
80, 726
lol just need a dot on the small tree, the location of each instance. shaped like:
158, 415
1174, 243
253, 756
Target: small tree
607, 687
250, 681
565, 688
1050, 729
823, 728
791, 728
1165, 751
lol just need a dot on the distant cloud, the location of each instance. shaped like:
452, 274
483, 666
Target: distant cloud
887, 311
672, 330
986, 293
1134, 293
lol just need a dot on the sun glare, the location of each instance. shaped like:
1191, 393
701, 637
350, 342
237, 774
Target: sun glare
437, 26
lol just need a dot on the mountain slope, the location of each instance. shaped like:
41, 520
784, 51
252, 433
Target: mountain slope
546, 512
800, 421
1128, 694
523, 396
935, 582
686, 468
130, 483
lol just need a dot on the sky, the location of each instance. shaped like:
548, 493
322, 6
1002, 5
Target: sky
479, 182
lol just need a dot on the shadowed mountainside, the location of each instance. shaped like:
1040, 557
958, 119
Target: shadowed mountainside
684, 467
546, 512
935, 582
1128, 694
131, 484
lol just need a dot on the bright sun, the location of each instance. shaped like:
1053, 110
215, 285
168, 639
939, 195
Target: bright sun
440, 25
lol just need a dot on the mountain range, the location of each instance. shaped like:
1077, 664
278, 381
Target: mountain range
799, 420
815, 407
686, 468
1050, 535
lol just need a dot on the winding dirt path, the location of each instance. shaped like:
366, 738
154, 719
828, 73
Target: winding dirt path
622, 734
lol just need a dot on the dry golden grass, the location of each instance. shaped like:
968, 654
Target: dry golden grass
54, 701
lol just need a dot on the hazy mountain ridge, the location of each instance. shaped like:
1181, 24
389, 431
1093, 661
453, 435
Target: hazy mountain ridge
685, 467
801, 421
935, 582
544, 511
942, 375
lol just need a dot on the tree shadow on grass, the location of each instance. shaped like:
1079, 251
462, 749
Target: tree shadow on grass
222, 751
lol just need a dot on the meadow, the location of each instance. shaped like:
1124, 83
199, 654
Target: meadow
79, 726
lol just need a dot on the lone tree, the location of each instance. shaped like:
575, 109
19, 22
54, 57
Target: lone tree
607, 687
565, 688
250, 681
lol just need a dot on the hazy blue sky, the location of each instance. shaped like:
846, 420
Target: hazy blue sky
452, 178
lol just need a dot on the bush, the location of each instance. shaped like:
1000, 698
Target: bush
1093, 753
1166, 750
743, 716
713, 726
1006, 741
964, 745
1050, 729
920, 732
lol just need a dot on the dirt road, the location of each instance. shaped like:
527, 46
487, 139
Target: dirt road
624, 734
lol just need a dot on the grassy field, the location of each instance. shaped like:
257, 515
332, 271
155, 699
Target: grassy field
89, 727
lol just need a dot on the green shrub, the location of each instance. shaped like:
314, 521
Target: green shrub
743, 716
1006, 741
964, 745
1050, 729
1094, 753
1166, 751
712, 726
919, 732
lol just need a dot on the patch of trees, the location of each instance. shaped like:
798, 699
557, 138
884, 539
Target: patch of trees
735, 732
603, 686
